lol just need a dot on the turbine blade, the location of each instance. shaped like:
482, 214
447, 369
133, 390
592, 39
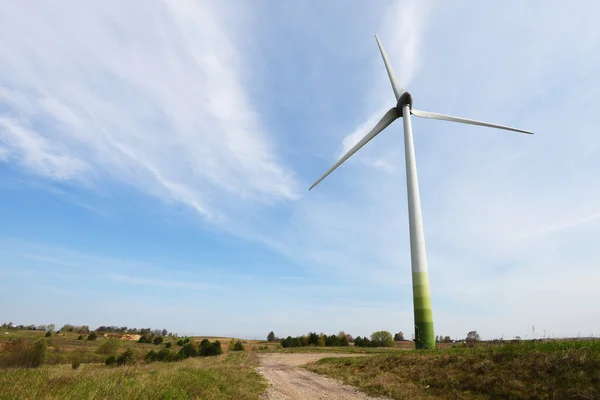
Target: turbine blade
398, 90
427, 114
387, 119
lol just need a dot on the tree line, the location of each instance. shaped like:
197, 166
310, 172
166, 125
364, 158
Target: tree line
377, 339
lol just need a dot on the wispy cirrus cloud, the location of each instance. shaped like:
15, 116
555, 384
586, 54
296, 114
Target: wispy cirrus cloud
154, 100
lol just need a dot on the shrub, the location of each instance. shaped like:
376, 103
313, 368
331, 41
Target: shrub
92, 336
180, 342
110, 361
238, 346
168, 345
126, 358
158, 340
151, 356
210, 349
188, 350
108, 346
48, 334
40, 352
80, 337
167, 355
75, 364
20, 353
145, 339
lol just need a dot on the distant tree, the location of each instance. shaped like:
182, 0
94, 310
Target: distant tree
349, 338
342, 339
322, 340
382, 339
447, 339
51, 327
92, 336
473, 336
313, 339
271, 336
110, 361
164, 332
398, 337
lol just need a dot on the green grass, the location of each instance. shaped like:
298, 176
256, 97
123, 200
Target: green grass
231, 376
530, 370
341, 350
64, 347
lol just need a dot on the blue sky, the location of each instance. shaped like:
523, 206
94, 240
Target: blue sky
155, 159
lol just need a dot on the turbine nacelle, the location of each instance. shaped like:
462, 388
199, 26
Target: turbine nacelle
404, 99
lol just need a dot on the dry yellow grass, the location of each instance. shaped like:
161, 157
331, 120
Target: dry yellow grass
226, 377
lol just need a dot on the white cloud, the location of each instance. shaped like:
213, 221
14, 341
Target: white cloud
147, 93
38, 153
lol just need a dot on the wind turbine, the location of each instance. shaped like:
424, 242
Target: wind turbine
424, 335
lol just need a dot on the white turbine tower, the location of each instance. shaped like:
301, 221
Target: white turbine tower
424, 335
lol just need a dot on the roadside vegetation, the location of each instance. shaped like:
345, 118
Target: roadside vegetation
521, 370
231, 376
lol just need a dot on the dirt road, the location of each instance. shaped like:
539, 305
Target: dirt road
289, 382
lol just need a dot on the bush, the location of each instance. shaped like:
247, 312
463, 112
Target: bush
188, 350
20, 353
75, 364
40, 352
158, 340
151, 356
168, 345
210, 349
92, 336
180, 342
238, 346
80, 337
108, 346
126, 358
110, 361
48, 334
167, 355
145, 339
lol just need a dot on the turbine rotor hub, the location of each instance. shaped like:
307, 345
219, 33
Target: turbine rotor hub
405, 99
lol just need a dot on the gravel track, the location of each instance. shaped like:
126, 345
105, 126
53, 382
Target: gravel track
290, 382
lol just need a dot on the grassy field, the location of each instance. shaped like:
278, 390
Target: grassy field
230, 376
532, 370
64, 347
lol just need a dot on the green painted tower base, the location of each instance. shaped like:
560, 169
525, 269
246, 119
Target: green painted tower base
424, 336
